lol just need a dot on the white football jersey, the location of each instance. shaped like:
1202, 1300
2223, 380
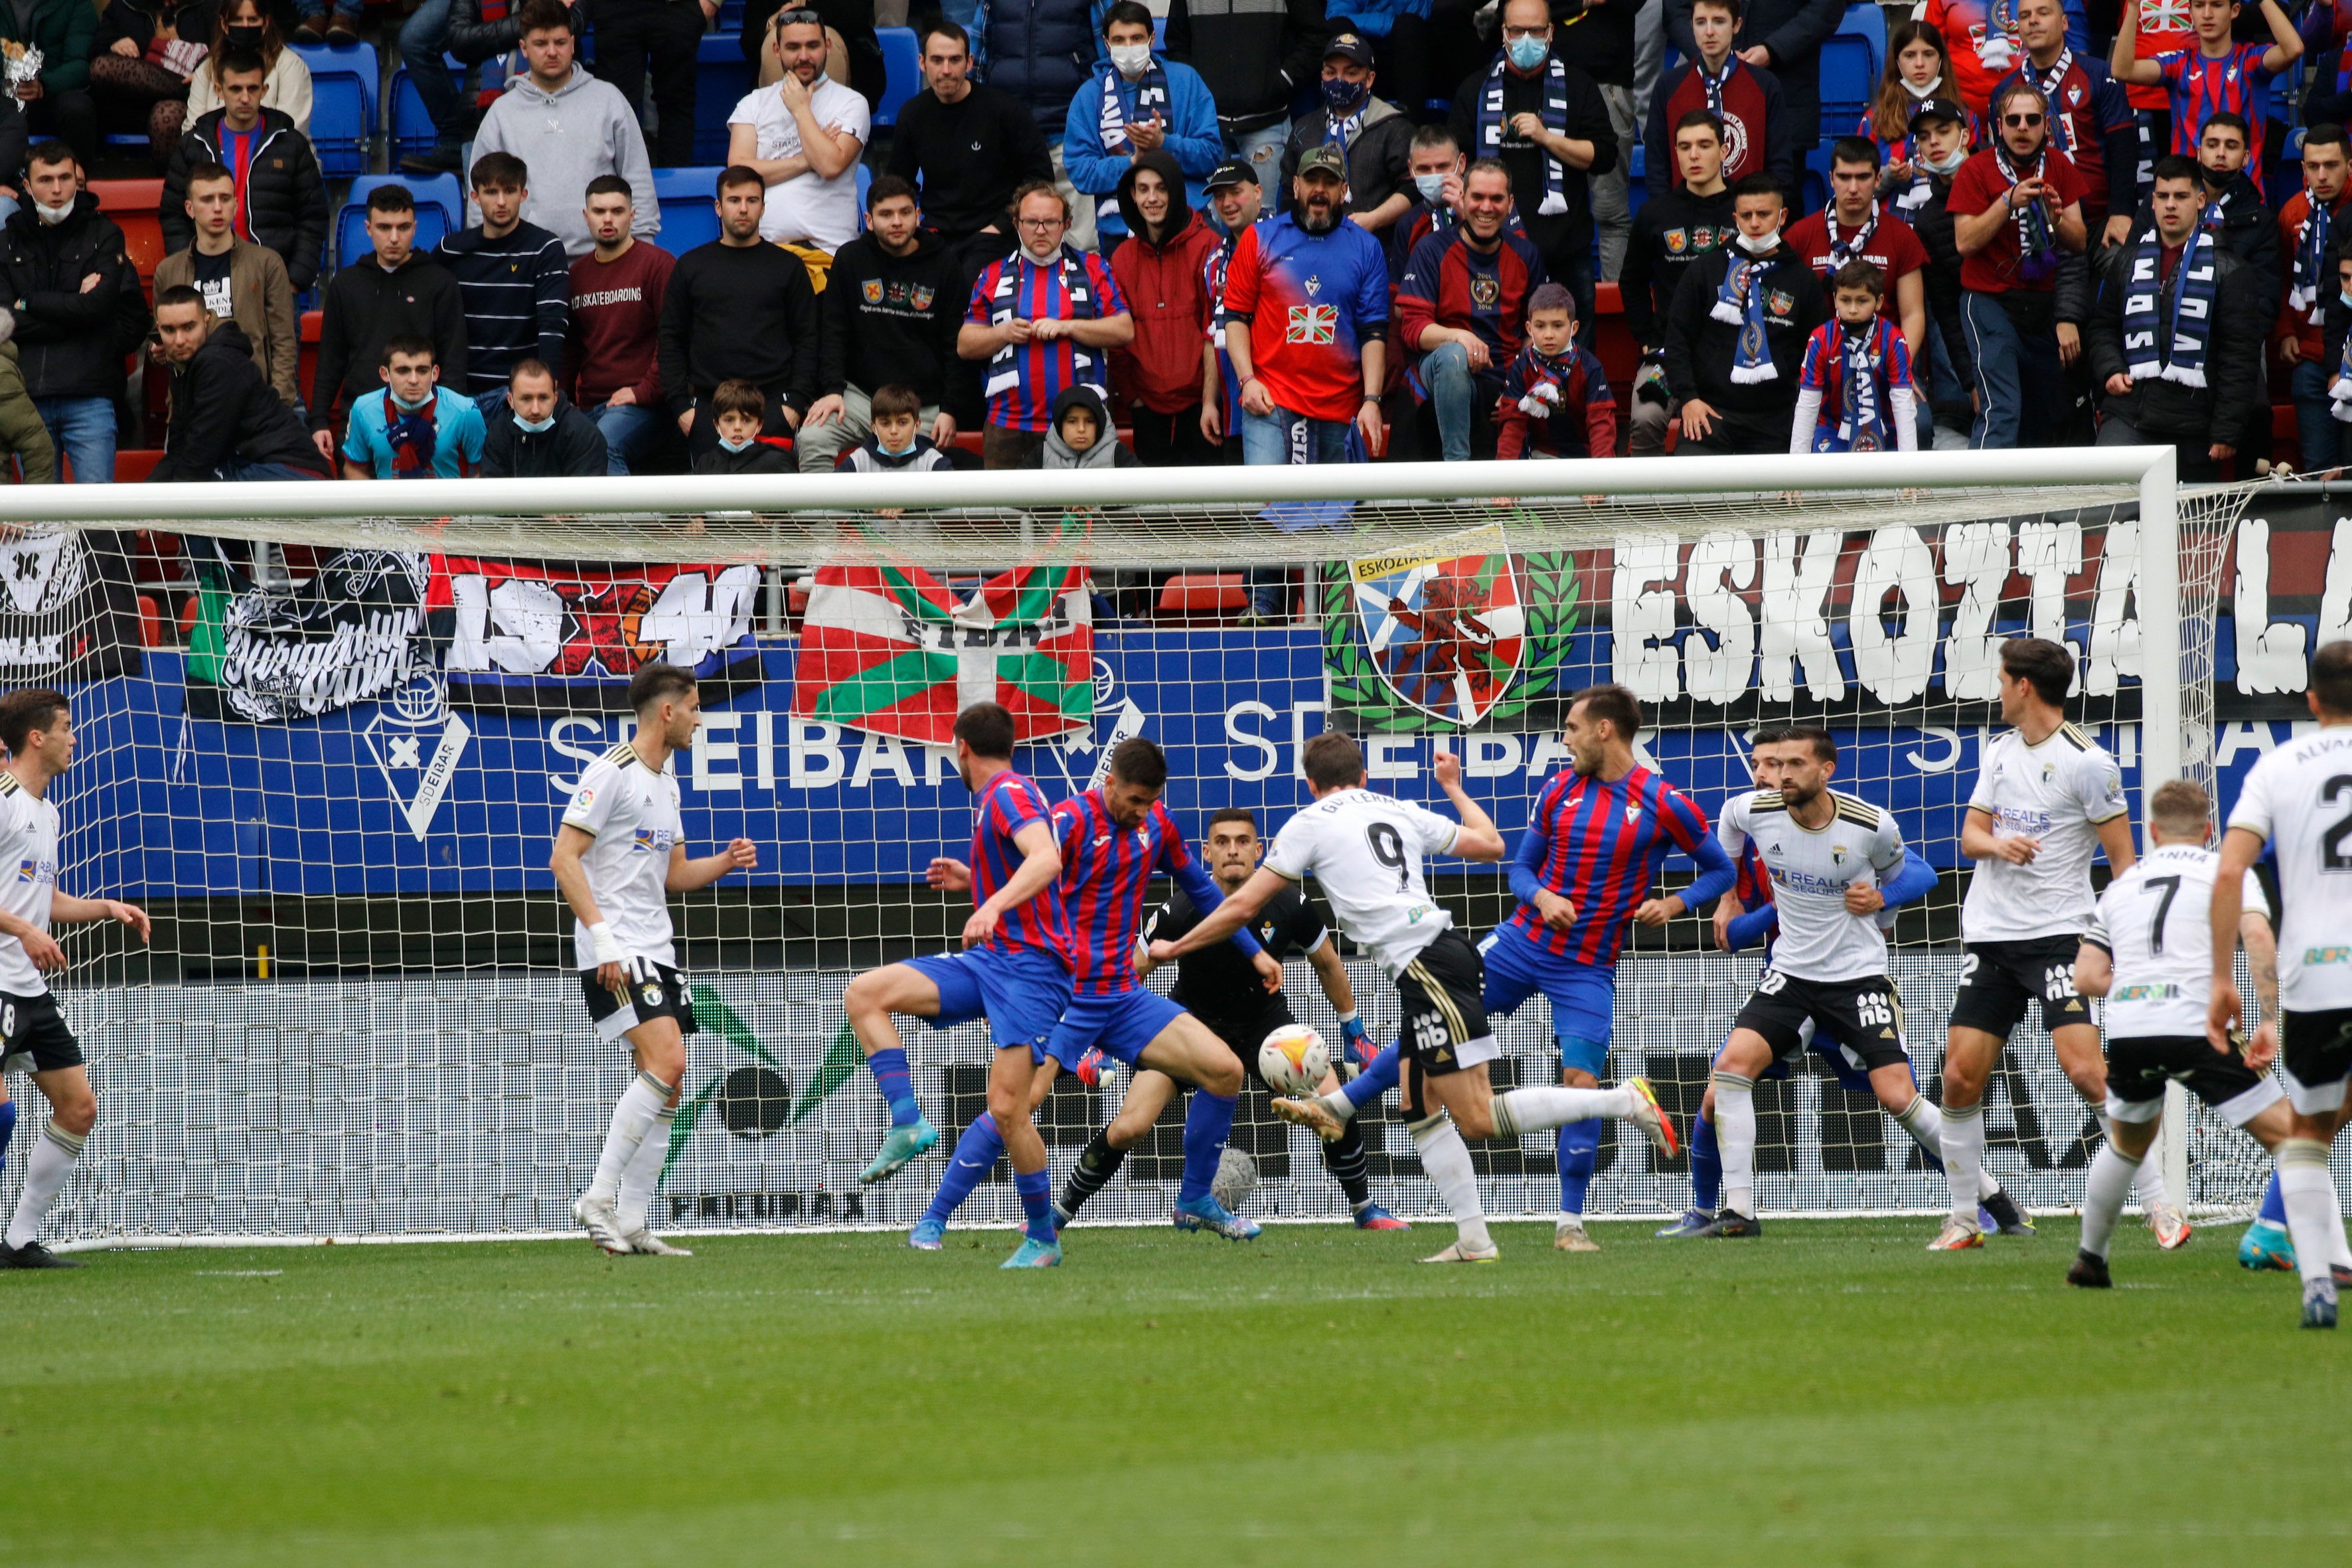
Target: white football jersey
2058, 792
633, 812
29, 878
2156, 922
1365, 851
1810, 869
2300, 799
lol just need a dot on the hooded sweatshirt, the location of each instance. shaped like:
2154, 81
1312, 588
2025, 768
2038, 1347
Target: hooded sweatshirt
885, 318
567, 138
1160, 369
1105, 453
223, 411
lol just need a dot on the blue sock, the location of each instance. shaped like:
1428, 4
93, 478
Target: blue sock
1706, 1166
896, 1083
1579, 1151
1036, 1188
2274, 1209
975, 1156
1208, 1122
8, 1131
1367, 1087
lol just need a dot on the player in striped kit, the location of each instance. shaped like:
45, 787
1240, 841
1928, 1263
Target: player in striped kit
1112, 840
1585, 865
2215, 74
1015, 970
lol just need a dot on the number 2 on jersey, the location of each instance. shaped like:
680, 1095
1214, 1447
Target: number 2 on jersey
2331, 843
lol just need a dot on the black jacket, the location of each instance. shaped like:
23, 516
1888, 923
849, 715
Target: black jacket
885, 318
969, 157
223, 411
2169, 410
759, 458
192, 20
1794, 31
70, 343
285, 195
1671, 233
1940, 282
365, 305
2248, 232
572, 449
1256, 59
1701, 350
738, 312
473, 40
1565, 234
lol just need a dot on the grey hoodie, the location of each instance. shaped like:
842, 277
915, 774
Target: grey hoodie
566, 139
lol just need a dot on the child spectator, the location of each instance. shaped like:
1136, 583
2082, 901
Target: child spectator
897, 445
1082, 435
1555, 396
739, 410
417, 428
1855, 393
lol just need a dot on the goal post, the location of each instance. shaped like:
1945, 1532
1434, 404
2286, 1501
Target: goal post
338, 784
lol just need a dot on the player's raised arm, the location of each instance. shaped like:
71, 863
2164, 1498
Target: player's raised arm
1477, 840
686, 876
1235, 910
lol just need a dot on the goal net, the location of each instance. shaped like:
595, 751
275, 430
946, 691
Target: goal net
326, 734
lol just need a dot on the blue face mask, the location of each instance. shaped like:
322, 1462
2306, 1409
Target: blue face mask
1341, 96
1430, 187
536, 426
734, 446
1527, 53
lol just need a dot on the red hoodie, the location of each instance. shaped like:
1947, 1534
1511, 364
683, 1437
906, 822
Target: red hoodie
1160, 370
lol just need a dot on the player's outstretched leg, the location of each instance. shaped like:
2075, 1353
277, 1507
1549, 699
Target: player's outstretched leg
2104, 1192
1578, 1146
1349, 1163
73, 1111
1445, 1160
870, 1000
1011, 1079
1735, 1134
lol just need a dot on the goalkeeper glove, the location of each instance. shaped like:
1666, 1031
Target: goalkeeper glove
1359, 1044
1650, 384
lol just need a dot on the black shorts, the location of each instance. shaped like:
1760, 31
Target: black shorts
2316, 1049
655, 991
34, 1037
2000, 978
1864, 1016
2139, 1065
1444, 1027
1242, 1037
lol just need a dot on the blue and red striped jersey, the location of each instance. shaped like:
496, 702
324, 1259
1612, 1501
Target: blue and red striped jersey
1600, 844
1448, 283
1104, 870
2201, 87
1007, 803
1047, 368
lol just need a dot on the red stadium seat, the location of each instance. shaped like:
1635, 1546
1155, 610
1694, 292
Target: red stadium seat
1202, 596
135, 207
151, 623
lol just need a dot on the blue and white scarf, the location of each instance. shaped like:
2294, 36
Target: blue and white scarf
1862, 418
1714, 82
2037, 251
2050, 81
2147, 354
1117, 114
1844, 250
1740, 302
2339, 391
1491, 125
1010, 365
2315, 263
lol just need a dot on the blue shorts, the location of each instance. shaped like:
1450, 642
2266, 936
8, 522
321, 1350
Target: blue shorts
1583, 995
1022, 994
1119, 1027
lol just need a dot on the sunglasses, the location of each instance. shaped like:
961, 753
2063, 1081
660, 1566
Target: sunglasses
802, 16
2020, 120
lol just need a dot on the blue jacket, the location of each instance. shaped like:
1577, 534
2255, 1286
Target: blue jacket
1374, 18
1040, 51
1193, 137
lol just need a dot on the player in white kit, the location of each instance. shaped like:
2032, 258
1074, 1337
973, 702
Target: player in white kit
36, 726
2148, 951
618, 856
2047, 798
2299, 799
1366, 852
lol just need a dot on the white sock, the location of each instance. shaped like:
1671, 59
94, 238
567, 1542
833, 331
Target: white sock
1445, 1159
644, 1170
1926, 1125
640, 1103
1735, 1137
52, 1162
2313, 1217
1964, 1160
1339, 1105
2150, 1185
1543, 1107
1568, 1220
2103, 1196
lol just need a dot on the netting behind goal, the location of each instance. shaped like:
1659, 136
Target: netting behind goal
336, 784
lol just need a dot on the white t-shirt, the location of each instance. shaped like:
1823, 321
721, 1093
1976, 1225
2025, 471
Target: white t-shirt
1810, 869
28, 851
814, 211
2155, 923
2058, 792
633, 813
2300, 799
1365, 851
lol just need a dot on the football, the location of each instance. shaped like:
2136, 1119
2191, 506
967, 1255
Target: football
1293, 1059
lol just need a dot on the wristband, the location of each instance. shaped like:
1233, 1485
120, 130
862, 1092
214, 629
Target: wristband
602, 943
1348, 1018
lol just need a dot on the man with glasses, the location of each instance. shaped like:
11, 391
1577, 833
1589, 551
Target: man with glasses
1043, 319
968, 145
2017, 214
2094, 123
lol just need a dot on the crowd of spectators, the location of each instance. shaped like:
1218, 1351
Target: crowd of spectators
1294, 232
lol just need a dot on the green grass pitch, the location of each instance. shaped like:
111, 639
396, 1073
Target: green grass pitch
1828, 1394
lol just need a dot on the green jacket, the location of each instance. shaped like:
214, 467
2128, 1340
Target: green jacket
66, 32
21, 430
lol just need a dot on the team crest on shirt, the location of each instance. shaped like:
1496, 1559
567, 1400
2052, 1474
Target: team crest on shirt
1677, 241
1486, 292
872, 289
1313, 323
1735, 142
1445, 625
922, 296
1779, 301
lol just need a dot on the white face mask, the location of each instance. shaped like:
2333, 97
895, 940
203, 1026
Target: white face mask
735, 446
53, 214
1764, 246
1132, 60
1042, 257
1917, 91
1959, 156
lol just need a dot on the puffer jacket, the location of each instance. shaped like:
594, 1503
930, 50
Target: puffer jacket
285, 195
1040, 51
70, 343
2170, 410
1160, 369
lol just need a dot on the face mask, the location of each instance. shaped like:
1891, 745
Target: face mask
53, 214
408, 407
1764, 246
1959, 156
536, 426
895, 451
1131, 59
1922, 93
1430, 187
246, 37
2345, 296
733, 445
1527, 53
1340, 95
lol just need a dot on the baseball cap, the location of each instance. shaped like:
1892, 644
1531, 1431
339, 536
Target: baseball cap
1324, 160
1350, 46
1231, 174
1938, 109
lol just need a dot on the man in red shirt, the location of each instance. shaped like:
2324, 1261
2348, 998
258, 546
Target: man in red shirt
1462, 306
2311, 231
2017, 208
616, 299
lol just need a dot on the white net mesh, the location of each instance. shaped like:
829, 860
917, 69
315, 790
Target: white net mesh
336, 785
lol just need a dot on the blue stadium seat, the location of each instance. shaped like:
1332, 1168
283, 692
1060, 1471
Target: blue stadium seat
904, 58
689, 214
411, 129
1637, 186
440, 208
730, 16
865, 183
1849, 78
720, 81
1868, 22
344, 80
